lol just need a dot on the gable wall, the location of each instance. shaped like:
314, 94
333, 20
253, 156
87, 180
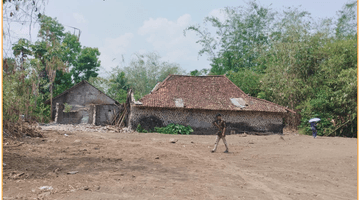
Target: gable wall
81, 98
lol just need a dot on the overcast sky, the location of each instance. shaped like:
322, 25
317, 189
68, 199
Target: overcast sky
126, 27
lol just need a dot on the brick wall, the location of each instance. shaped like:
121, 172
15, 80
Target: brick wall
201, 120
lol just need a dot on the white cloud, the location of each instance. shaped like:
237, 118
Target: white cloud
79, 18
167, 38
113, 49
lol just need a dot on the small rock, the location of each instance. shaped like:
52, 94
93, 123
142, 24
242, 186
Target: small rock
86, 188
18, 175
281, 137
73, 172
46, 188
172, 140
77, 141
157, 157
43, 195
66, 134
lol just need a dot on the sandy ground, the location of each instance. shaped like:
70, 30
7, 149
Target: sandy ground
147, 166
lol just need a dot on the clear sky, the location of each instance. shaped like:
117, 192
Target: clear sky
126, 27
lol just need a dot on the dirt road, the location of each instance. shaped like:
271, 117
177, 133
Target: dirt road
147, 166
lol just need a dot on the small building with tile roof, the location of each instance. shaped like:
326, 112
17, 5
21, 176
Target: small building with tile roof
195, 100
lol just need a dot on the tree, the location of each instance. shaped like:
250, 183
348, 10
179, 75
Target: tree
103, 84
71, 48
22, 49
237, 39
199, 73
146, 70
19, 13
247, 80
87, 64
347, 22
313, 72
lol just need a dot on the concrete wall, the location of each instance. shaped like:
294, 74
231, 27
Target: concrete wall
80, 97
105, 113
201, 120
87, 102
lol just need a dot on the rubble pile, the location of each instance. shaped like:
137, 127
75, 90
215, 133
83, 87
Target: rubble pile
83, 128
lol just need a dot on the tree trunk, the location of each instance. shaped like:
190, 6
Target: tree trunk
51, 97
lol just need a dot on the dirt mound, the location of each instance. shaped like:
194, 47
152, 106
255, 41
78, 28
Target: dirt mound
20, 129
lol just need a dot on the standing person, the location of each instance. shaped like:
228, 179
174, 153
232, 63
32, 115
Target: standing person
220, 124
313, 125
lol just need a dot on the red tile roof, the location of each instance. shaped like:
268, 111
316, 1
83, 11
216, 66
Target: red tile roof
204, 92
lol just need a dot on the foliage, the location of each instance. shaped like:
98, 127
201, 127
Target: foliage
43, 67
139, 129
19, 86
237, 38
202, 72
247, 80
347, 22
146, 70
87, 64
335, 95
67, 108
100, 83
174, 129
118, 86
20, 14
63, 81
314, 73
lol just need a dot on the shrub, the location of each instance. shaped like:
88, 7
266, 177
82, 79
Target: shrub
140, 129
67, 108
174, 129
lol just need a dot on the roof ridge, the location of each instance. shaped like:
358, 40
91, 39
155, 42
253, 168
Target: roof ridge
77, 85
197, 76
235, 86
157, 89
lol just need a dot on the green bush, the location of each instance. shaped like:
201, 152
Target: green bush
67, 108
140, 129
174, 129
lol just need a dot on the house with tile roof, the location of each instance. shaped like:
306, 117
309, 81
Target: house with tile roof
195, 100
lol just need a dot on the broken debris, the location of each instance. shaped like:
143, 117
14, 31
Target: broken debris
172, 140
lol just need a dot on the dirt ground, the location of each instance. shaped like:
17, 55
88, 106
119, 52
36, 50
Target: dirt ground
147, 166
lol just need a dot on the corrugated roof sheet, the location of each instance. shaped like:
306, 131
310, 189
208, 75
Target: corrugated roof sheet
204, 92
